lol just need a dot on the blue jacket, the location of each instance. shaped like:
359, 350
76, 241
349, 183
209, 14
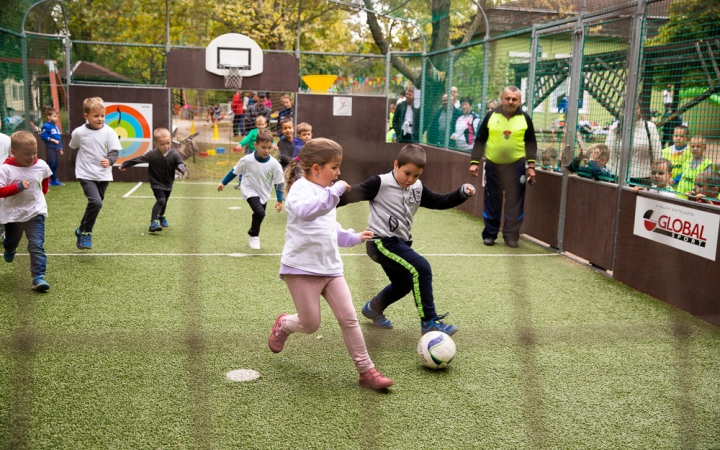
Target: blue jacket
51, 131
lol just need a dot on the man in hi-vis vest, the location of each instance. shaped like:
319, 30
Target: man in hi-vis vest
506, 142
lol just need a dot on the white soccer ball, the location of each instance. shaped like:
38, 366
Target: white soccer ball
436, 349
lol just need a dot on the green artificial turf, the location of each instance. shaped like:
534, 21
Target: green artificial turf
130, 347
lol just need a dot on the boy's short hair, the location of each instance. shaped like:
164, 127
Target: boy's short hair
411, 154
682, 127
603, 151
159, 132
284, 121
260, 117
467, 100
264, 136
285, 96
21, 138
93, 103
303, 127
666, 163
49, 111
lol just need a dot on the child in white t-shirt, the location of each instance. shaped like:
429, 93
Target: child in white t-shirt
97, 147
24, 182
259, 172
311, 265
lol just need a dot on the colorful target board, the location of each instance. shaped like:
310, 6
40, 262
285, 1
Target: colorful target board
133, 124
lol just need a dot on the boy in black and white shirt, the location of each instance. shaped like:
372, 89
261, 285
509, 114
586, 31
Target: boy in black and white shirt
394, 199
97, 147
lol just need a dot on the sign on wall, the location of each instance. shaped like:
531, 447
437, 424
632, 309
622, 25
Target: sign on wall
133, 124
686, 229
342, 106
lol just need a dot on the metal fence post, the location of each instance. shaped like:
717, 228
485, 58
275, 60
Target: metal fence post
634, 57
388, 65
26, 80
486, 75
423, 69
450, 106
531, 75
571, 121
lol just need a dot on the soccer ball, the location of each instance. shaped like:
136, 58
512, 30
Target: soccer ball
436, 349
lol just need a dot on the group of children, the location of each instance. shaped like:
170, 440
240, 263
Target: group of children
682, 171
310, 265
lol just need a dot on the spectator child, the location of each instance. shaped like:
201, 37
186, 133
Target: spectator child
53, 145
694, 166
677, 153
394, 199
248, 100
707, 186
285, 113
661, 179
311, 265
97, 146
259, 172
249, 140
550, 160
596, 167
162, 162
23, 184
304, 132
287, 142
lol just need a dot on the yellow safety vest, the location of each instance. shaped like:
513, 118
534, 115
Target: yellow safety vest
687, 182
677, 159
506, 138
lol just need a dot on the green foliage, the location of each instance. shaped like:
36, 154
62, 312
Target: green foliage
689, 20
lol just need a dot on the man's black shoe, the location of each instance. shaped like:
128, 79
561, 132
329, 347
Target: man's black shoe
489, 241
512, 243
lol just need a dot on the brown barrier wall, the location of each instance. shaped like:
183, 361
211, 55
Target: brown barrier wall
542, 207
66, 170
157, 96
674, 276
186, 69
590, 220
362, 136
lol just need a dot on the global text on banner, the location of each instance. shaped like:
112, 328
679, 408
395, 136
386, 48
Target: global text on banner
690, 230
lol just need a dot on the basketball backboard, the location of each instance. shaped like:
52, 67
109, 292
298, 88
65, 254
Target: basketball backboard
233, 49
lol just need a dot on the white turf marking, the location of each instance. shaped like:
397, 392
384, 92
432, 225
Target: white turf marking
190, 198
234, 207
242, 375
243, 255
129, 193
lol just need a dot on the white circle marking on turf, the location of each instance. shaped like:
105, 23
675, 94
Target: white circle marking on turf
234, 207
242, 375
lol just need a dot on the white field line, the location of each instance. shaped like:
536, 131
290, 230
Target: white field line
129, 193
243, 255
188, 198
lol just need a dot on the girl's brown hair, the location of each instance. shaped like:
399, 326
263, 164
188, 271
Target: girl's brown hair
318, 151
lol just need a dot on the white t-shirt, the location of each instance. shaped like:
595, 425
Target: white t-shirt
4, 147
640, 153
93, 145
310, 245
258, 178
28, 203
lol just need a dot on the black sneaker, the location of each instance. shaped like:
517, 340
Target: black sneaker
155, 226
489, 241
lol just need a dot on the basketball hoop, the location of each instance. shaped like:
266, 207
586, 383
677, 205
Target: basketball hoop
234, 76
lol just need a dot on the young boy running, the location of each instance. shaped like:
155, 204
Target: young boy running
162, 163
288, 142
248, 141
304, 132
97, 148
23, 184
53, 145
394, 199
259, 172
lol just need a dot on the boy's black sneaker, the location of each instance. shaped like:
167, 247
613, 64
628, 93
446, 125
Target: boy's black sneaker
155, 226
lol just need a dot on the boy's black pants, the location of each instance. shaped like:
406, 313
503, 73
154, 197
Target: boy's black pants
95, 193
258, 216
161, 199
408, 272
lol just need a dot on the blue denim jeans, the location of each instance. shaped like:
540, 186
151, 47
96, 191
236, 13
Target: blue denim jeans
34, 230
